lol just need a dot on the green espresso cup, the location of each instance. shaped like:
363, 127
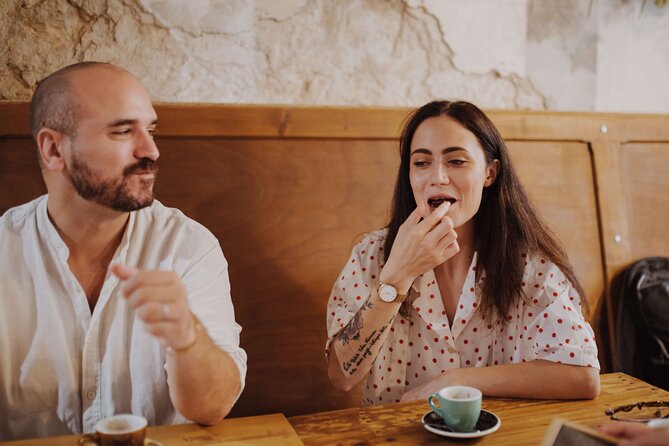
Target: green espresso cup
459, 406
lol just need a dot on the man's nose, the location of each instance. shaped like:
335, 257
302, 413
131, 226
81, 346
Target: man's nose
146, 146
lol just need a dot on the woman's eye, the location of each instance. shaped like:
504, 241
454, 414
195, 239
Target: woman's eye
421, 163
457, 162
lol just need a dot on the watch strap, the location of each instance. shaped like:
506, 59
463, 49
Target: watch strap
399, 298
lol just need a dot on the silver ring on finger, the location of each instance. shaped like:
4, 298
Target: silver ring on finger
166, 311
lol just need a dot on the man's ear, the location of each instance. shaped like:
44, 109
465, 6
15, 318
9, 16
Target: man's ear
50, 145
492, 170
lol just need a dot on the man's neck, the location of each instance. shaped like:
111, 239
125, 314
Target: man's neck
92, 234
89, 230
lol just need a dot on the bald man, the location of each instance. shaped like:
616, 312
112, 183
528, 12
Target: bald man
110, 302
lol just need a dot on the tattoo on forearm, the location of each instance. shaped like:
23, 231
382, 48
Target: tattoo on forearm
352, 329
364, 351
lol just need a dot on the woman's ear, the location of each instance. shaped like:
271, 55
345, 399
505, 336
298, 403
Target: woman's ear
491, 173
50, 145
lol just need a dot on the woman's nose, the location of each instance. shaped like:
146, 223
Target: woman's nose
440, 174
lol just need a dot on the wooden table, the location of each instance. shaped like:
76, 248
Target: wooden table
524, 422
262, 430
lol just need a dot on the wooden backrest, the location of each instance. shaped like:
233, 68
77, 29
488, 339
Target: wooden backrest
288, 190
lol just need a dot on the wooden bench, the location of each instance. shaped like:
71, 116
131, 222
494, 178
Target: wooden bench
286, 190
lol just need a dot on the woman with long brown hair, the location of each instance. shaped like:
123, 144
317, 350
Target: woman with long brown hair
465, 286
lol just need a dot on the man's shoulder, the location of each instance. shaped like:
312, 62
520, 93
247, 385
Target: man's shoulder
168, 219
15, 218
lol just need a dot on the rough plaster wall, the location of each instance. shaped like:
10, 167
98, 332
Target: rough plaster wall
633, 63
562, 53
497, 53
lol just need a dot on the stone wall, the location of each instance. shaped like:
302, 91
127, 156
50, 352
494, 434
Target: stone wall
590, 55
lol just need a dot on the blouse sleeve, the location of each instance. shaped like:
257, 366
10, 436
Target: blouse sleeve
354, 284
556, 329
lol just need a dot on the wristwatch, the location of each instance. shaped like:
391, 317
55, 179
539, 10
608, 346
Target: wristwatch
388, 293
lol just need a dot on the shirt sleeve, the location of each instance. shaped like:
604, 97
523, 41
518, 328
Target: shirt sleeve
208, 287
354, 284
556, 329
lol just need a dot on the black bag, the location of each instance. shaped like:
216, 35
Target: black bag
642, 326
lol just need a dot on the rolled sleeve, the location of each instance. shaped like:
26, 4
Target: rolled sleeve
557, 330
208, 288
354, 285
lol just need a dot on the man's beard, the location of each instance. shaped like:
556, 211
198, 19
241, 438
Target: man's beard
114, 193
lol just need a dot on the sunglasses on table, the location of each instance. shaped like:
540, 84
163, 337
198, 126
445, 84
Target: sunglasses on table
641, 412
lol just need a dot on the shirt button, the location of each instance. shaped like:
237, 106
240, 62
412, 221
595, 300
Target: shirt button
90, 395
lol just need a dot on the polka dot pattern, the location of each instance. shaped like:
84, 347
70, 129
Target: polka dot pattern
549, 326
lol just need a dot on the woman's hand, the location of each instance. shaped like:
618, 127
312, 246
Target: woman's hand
445, 379
420, 246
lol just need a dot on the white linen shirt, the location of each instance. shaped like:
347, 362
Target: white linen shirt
63, 369
550, 326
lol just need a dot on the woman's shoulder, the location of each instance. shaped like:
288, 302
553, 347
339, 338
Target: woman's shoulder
541, 266
378, 235
369, 246
543, 280
371, 240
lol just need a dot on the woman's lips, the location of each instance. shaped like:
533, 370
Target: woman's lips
434, 203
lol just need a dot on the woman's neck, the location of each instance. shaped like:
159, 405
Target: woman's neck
460, 262
451, 274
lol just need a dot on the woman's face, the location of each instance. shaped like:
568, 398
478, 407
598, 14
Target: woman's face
448, 163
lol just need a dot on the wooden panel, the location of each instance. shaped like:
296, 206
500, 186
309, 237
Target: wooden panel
645, 186
20, 176
286, 213
214, 120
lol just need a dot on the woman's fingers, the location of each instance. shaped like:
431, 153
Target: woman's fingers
436, 217
450, 250
416, 249
414, 218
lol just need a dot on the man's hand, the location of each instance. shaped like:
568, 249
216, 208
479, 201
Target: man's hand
636, 434
160, 301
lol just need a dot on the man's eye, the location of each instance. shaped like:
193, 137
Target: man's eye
152, 131
121, 132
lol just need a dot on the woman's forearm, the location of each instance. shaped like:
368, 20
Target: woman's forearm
533, 379
356, 346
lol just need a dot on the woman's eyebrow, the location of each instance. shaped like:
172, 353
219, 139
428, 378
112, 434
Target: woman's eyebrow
444, 151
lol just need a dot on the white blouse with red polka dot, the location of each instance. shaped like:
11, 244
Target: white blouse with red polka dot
418, 348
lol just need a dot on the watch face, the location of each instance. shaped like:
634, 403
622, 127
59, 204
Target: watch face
387, 293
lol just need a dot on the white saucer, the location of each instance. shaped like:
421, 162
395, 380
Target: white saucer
487, 424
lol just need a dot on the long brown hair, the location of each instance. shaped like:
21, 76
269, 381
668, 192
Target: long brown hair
506, 224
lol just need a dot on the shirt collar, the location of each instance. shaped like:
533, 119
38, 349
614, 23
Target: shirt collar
53, 238
428, 297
